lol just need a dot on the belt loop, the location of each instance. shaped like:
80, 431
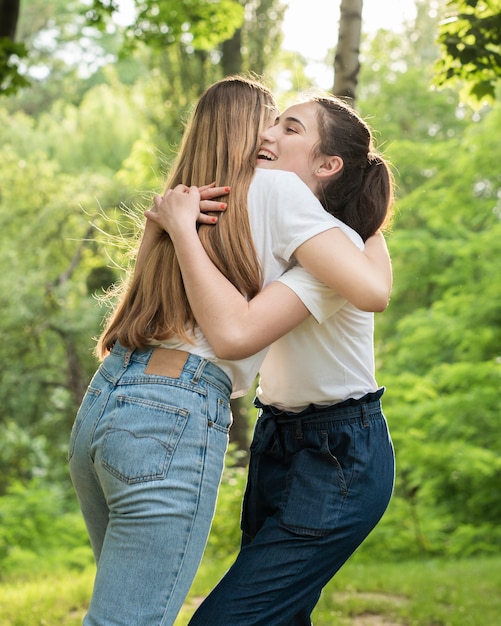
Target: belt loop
127, 357
365, 414
198, 372
299, 430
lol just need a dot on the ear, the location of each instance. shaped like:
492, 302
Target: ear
330, 165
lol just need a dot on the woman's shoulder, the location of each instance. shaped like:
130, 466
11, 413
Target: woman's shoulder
280, 185
271, 177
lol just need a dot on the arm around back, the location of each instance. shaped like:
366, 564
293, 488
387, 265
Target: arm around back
364, 278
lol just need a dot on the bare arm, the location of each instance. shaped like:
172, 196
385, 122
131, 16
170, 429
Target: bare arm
364, 278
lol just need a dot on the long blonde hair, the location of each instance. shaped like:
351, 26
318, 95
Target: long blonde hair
220, 144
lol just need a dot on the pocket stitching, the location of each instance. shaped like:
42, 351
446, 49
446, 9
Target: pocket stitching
181, 416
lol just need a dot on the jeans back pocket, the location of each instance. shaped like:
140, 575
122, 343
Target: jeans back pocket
141, 439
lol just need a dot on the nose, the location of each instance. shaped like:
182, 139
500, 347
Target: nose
267, 134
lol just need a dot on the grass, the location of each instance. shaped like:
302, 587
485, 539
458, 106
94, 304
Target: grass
431, 593
421, 593
51, 600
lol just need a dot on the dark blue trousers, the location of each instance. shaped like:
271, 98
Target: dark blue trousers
319, 482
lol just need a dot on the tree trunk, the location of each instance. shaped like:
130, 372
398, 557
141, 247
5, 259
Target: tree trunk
9, 14
259, 39
231, 59
346, 61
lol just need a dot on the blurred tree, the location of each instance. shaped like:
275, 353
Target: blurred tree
439, 343
9, 14
199, 24
186, 46
11, 52
53, 170
96, 143
262, 34
470, 40
346, 60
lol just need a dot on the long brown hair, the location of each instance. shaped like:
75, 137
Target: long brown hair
362, 194
220, 144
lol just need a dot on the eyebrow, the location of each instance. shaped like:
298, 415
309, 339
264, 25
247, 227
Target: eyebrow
292, 119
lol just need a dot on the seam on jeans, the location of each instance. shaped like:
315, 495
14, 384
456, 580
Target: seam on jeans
127, 357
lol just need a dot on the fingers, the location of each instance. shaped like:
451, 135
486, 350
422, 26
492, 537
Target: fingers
207, 192
205, 187
157, 200
213, 192
182, 188
206, 219
212, 205
152, 215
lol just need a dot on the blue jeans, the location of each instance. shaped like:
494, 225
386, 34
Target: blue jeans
319, 482
146, 457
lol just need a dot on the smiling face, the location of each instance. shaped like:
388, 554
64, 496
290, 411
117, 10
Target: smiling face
291, 145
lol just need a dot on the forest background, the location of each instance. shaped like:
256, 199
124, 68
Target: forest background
84, 147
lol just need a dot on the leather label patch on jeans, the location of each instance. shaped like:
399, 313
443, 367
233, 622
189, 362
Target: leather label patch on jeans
166, 362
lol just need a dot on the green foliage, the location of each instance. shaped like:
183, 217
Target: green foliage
59, 598
395, 96
441, 342
21, 454
442, 593
97, 135
197, 23
471, 49
61, 174
11, 54
40, 531
81, 157
225, 534
262, 35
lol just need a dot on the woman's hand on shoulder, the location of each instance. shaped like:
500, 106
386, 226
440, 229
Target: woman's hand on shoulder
177, 210
208, 204
183, 206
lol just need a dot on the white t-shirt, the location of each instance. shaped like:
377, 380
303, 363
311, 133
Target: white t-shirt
283, 214
326, 359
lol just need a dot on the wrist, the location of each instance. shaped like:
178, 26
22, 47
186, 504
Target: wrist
183, 235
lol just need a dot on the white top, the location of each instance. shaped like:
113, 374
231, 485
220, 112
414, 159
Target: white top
283, 214
326, 359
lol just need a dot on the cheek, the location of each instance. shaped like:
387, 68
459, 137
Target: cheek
300, 167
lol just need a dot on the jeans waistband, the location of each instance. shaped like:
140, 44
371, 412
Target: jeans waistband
196, 365
365, 407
